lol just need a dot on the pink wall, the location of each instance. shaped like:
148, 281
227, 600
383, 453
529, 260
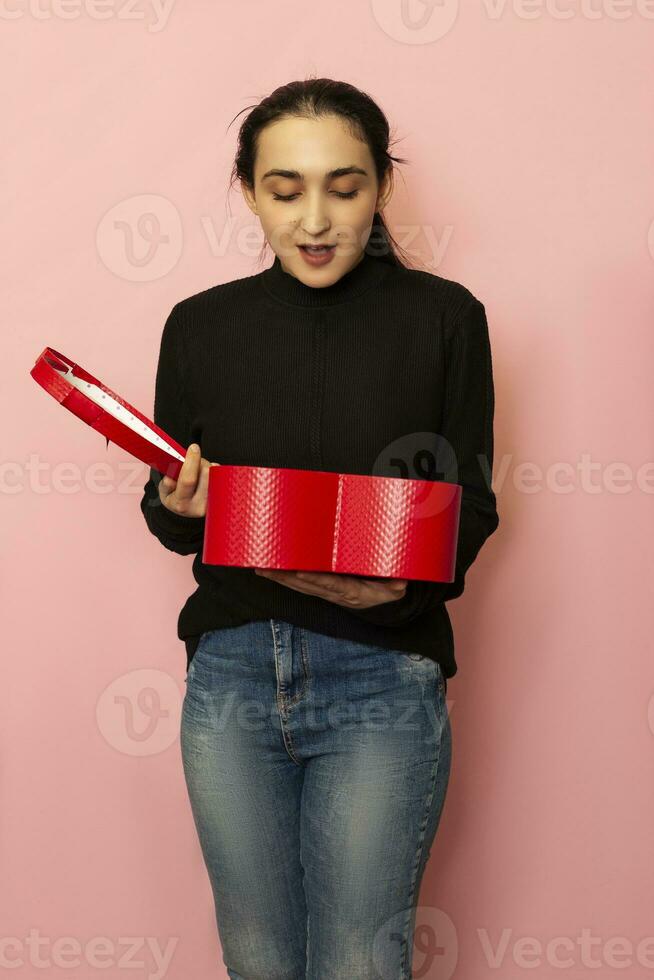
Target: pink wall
531, 183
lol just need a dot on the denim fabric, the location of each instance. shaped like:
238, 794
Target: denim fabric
317, 770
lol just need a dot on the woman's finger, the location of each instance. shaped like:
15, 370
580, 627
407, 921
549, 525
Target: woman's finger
187, 480
346, 590
203, 480
294, 580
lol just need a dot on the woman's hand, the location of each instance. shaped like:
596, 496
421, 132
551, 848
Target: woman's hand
187, 495
351, 591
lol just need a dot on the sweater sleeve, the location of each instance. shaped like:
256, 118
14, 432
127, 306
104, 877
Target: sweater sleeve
181, 534
467, 449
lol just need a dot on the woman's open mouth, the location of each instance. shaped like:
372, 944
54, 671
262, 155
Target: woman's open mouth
317, 254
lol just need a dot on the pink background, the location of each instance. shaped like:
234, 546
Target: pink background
531, 182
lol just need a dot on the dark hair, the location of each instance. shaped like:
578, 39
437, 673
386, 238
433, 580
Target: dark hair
316, 97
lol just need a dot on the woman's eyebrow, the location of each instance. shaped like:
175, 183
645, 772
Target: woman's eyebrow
330, 175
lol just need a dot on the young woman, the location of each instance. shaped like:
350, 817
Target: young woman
315, 736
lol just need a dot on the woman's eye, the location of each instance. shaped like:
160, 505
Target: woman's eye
341, 194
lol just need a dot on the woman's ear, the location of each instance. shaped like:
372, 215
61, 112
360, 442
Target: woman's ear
248, 194
385, 191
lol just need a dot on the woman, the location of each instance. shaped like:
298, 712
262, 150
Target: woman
315, 736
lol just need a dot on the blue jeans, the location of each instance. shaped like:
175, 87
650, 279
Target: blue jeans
316, 769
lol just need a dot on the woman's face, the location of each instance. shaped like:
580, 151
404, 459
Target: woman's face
314, 183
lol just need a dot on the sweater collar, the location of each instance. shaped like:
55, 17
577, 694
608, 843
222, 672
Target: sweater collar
368, 272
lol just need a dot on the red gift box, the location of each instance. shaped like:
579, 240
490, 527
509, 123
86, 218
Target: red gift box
271, 517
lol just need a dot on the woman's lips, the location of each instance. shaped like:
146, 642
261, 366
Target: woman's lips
317, 256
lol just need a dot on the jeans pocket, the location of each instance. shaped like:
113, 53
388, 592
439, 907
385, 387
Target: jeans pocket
421, 661
190, 670
195, 658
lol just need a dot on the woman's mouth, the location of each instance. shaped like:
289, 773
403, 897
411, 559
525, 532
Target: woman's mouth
317, 254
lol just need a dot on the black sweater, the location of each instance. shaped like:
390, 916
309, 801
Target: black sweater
386, 372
